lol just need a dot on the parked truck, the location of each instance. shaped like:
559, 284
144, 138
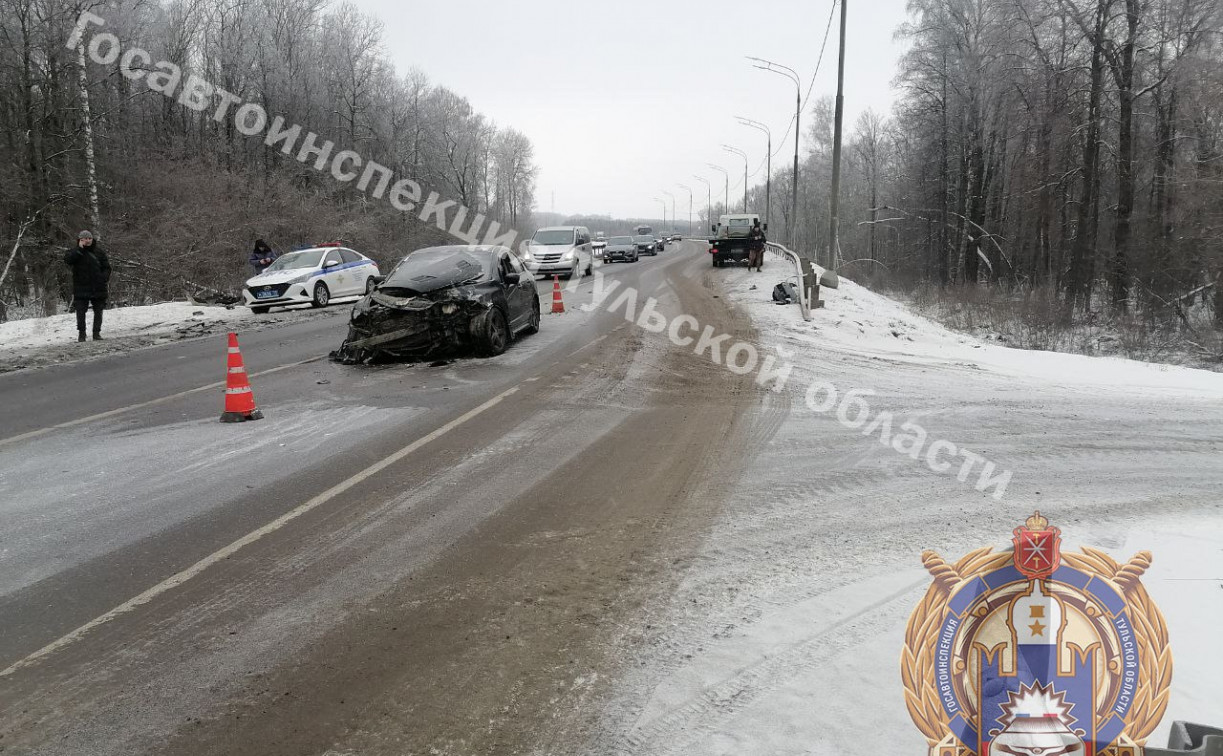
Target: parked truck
730, 242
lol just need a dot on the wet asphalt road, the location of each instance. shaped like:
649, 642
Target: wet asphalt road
399, 559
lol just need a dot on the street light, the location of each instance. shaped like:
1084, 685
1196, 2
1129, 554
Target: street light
743, 155
708, 198
684, 186
792, 75
768, 179
726, 199
672, 196
664, 211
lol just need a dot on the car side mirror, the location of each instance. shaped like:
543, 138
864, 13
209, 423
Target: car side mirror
331, 263
513, 278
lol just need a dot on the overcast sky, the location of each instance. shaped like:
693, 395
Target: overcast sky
626, 98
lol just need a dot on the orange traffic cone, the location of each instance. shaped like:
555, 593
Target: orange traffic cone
558, 304
239, 399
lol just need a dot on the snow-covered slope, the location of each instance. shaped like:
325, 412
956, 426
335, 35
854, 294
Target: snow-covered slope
856, 320
33, 333
784, 634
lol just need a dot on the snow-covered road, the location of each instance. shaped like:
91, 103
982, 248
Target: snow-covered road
785, 634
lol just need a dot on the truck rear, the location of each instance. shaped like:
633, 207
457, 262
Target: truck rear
731, 240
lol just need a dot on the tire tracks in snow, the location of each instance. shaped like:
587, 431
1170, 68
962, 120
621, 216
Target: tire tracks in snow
695, 717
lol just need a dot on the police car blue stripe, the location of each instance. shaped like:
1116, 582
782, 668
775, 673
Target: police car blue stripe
342, 266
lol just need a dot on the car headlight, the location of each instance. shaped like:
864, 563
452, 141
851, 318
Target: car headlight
569, 255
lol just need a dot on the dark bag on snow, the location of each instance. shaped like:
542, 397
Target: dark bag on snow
784, 293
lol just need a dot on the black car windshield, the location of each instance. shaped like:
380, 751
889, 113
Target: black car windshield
561, 236
644, 239
438, 267
306, 258
621, 240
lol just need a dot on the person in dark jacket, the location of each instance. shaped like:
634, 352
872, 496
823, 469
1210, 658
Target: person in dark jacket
755, 248
90, 277
261, 256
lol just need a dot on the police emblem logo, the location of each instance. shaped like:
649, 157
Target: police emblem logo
1036, 653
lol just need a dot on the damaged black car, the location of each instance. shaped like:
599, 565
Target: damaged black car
444, 300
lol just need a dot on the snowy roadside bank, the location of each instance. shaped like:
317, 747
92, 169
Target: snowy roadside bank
785, 633
37, 342
119, 322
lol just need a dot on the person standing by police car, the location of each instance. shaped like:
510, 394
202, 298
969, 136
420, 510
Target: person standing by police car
90, 279
261, 256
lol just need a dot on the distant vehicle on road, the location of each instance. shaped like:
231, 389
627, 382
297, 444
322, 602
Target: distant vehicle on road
660, 243
644, 231
730, 238
599, 244
676, 237
621, 248
566, 250
312, 276
445, 299
646, 245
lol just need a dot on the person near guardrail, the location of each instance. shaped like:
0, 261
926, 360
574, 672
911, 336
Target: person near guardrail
755, 247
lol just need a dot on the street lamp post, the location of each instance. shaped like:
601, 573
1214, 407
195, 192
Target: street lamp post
743, 155
673, 216
708, 198
664, 210
792, 75
684, 186
768, 179
726, 198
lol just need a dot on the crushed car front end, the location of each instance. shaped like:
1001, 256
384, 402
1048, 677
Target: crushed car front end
404, 324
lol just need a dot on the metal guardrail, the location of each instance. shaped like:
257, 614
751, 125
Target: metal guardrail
808, 278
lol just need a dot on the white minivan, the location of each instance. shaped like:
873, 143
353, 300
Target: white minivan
562, 250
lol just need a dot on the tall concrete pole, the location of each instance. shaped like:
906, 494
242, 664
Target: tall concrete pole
834, 200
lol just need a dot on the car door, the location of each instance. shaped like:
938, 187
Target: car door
586, 251
355, 274
333, 273
517, 294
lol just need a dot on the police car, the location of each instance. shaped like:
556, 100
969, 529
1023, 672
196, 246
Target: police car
311, 276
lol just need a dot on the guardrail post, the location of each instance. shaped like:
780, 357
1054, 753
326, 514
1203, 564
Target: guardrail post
1187, 739
810, 282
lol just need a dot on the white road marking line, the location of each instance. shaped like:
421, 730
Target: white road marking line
151, 402
181, 577
587, 346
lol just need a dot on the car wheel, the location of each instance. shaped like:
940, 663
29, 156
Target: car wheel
716, 264
322, 295
260, 310
590, 269
369, 284
533, 324
492, 335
